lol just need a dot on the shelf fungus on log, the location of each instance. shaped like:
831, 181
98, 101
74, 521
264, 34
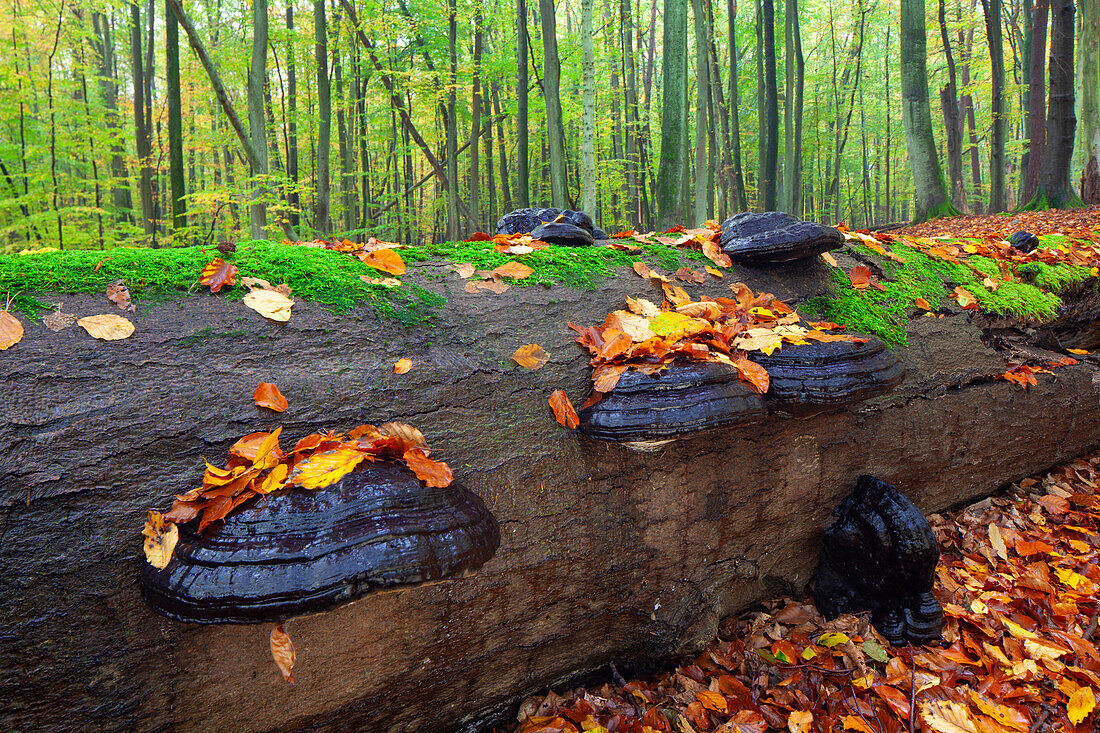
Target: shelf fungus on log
563, 233
880, 555
646, 411
1024, 241
772, 237
832, 374
299, 550
524, 221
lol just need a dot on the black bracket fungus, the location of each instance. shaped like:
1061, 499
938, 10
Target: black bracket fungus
822, 375
524, 221
646, 411
772, 237
1024, 241
562, 233
299, 550
880, 555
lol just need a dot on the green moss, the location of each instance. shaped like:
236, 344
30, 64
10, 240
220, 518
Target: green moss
576, 267
1053, 277
322, 276
885, 314
209, 333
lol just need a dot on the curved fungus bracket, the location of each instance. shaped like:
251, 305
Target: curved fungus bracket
829, 374
297, 550
647, 411
562, 233
772, 237
880, 555
524, 221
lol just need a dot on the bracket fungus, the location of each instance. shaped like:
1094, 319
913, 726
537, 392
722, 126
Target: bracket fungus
646, 411
772, 237
298, 550
524, 221
880, 555
1024, 241
562, 233
805, 377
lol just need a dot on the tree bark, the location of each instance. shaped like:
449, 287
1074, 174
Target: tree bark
588, 111
1087, 147
931, 193
741, 199
992, 12
451, 124
141, 132
293, 194
257, 74
795, 70
702, 102
473, 186
606, 555
1054, 188
672, 168
949, 103
108, 88
175, 122
555, 129
523, 173
324, 119
967, 106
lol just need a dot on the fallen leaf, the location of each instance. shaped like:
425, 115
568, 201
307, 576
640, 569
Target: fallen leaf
389, 282
57, 320
385, 260
642, 307
715, 701
11, 330
433, 473
282, 651
119, 294
218, 274
516, 270
965, 299
324, 469
922, 303
476, 286
860, 276
753, 373
1080, 705
852, 722
641, 268
1080, 352
270, 304
464, 269
401, 366
563, 410
268, 395
160, 540
799, 721
107, 327
997, 542
531, 356
829, 259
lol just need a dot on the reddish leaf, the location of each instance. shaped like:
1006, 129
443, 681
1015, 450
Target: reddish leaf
268, 395
218, 274
386, 260
433, 473
860, 275
282, 651
563, 410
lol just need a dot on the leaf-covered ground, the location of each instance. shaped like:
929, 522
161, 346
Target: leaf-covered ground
1068, 222
1018, 580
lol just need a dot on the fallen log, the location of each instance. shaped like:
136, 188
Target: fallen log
606, 555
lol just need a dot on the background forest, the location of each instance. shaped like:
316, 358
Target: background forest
420, 120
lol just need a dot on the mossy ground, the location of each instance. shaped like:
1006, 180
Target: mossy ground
885, 313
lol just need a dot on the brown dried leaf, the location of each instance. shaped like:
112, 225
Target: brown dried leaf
563, 410
433, 473
11, 330
218, 274
860, 275
57, 319
464, 269
107, 327
385, 260
282, 651
268, 395
119, 294
641, 268
516, 270
270, 304
531, 356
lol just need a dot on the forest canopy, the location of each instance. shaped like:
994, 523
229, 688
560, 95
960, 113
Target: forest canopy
189, 121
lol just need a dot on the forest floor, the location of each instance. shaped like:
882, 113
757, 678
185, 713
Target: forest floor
1018, 579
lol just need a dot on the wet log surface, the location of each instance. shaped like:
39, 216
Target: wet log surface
606, 555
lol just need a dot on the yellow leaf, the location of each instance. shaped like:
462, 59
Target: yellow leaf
107, 327
944, 716
270, 304
1070, 578
531, 356
715, 701
833, 639
668, 323
323, 469
11, 330
997, 542
275, 479
401, 366
799, 721
852, 722
829, 259
160, 540
1079, 351
713, 271
1043, 650
1080, 705
1003, 714
642, 307
759, 339
282, 651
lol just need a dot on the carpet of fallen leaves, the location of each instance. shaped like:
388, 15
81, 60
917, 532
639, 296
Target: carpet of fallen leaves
1018, 580
1078, 223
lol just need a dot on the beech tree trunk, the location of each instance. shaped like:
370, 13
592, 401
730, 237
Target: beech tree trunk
523, 173
1087, 148
702, 102
175, 121
952, 120
141, 131
257, 125
324, 118
673, 166
992, 14
606, 555
1055, 189
555, 130
588, 111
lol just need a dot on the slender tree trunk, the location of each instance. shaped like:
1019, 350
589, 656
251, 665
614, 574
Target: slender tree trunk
108, 87
761, 110
343, 141
505, 191
702, 102
769, 182
1087, 148
473, 186
674, 155
451, 124
141, 132
1036, 100
256, 123
293, 196
588, 106
889, 140
931, 193
992, 12
487, 153
523, 172
949, 103
795, 69
1055, 189
966, 106
324, 118
555, 129
740, 200
175, 122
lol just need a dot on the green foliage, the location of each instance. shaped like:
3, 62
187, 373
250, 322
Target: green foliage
1054, 278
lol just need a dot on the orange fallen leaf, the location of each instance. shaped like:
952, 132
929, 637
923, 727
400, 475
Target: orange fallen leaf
563, 410
922, 303
641, 268
516, 270
401, 366
218, 274
715, 701
531, 356
282, 651
324, 469
1080, 352
160, 540
386, 260
860, 275
433, 473
829, 259
268, 395
11, 330
754, 374
119, 294
965, 299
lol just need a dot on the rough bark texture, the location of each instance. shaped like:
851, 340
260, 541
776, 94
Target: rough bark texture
670, 201
606, 555
1054, 188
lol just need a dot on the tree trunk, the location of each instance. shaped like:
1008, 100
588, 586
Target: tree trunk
966, 105
505, 191
473, 213
992, 12
606, 555
343, 140
324, 119
451, 124
588, 107
175, 122
108, 88
555, 129
1087, 148
1055, 189
523, 173
949, 103
740, 199
795, 70
702, 102
770, 178
761, 110
141, 132
671, 170
293, 195
931, 193
257, 125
